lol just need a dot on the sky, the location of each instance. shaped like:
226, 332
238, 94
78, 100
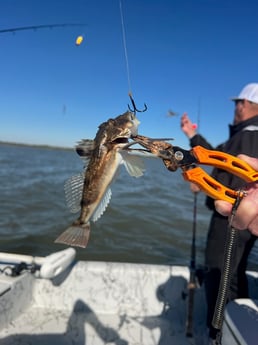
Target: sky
182, 55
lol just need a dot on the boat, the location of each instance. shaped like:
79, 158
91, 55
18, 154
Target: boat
59, 300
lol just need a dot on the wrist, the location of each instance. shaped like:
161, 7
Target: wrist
191, 134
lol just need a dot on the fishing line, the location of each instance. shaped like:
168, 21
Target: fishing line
125, 47
135, 109
198, 114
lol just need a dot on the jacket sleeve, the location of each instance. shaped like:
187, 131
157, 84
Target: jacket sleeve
246, 142
200, 140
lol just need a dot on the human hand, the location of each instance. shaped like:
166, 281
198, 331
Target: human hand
194, 187
246, 216
187, 126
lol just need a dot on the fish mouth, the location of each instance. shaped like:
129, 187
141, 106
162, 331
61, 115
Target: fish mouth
120, 141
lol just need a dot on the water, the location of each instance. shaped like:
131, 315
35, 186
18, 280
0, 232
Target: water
149, 219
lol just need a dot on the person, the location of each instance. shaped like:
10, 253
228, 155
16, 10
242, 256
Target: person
246, 216
243, 139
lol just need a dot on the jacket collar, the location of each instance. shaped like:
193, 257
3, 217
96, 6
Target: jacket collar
233, 129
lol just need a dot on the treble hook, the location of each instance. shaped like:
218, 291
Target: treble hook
134, 106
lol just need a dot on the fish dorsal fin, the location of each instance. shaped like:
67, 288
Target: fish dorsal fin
102, 205
133, 164
73, 192
85, 147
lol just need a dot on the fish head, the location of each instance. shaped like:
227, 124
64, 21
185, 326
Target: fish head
126, 125
116, 132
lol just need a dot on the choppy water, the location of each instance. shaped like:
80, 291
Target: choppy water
148, 220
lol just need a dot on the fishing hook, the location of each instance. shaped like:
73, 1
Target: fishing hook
134, 106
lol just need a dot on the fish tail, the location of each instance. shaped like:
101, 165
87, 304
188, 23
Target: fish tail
76, 235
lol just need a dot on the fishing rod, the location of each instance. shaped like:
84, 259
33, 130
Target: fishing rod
35, 27
192, 284
192, 279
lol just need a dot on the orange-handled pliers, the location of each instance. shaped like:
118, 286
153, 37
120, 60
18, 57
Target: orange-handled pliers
175, 157
221, 160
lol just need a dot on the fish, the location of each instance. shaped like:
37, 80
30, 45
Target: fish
89, 192
159, 148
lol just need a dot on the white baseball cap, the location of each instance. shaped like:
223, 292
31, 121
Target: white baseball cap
249, 92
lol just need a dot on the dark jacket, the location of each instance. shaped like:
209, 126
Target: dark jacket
243, 138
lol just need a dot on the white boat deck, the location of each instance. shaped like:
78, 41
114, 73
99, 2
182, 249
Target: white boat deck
98, 303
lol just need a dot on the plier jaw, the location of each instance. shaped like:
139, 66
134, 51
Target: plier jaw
184, 159
175, 157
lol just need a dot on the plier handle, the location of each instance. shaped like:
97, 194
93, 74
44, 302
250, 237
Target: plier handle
188, 160
221, 160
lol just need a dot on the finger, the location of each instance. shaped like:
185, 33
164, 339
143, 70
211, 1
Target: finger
253, 226
223, 207
194, 187
245, 215
183, 119
253, 162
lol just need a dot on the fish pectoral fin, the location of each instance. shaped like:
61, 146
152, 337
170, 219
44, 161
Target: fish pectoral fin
102, 205
75, 235
73, 192
133, 164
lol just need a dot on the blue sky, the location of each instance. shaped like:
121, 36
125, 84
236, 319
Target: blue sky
188, 56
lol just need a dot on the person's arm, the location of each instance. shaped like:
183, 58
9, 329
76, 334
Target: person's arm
246, 216
190, 130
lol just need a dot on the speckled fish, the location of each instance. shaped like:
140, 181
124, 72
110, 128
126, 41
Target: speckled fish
89, 192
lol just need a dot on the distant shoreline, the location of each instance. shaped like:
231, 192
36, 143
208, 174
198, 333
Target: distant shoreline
35, 145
